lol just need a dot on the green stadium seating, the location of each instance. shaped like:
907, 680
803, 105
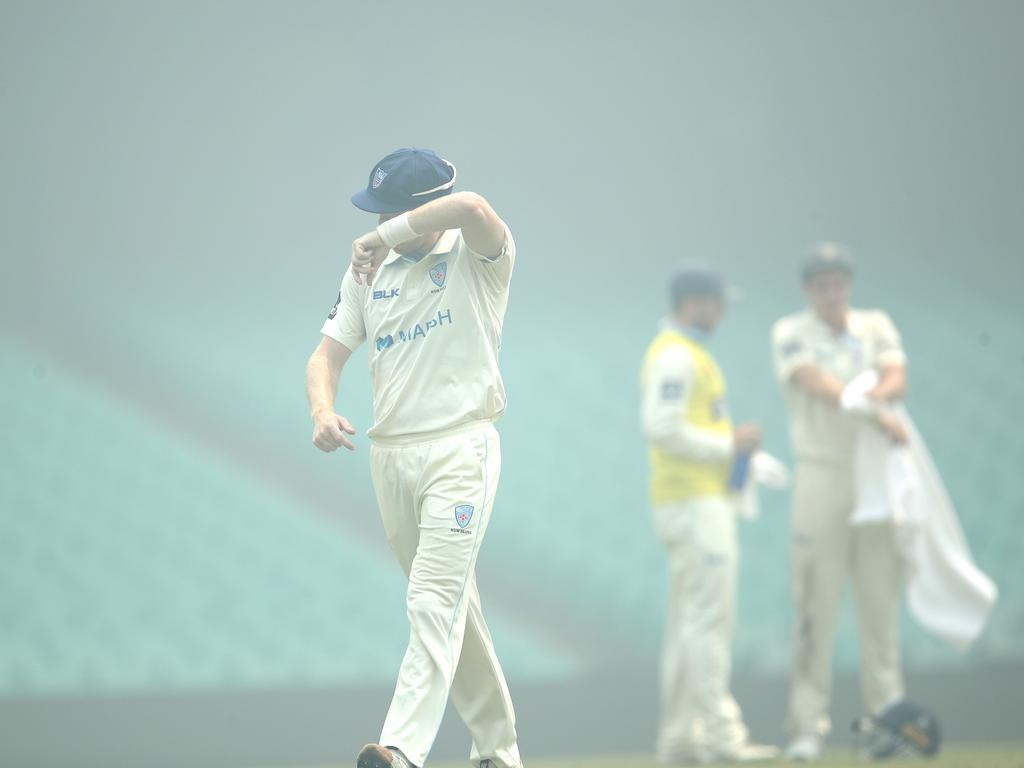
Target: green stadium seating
133, 558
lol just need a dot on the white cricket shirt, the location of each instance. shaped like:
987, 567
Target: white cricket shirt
434, 331
819, 431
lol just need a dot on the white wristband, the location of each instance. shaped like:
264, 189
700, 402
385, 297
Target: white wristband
397, 231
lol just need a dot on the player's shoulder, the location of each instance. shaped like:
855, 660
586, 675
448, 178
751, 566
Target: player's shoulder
871, 318
668, 348
791, 325
349, 284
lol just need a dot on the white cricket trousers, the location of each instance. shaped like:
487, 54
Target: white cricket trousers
435, 499
827, 550
698, 712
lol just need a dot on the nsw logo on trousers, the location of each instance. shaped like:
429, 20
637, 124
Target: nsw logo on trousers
463, 514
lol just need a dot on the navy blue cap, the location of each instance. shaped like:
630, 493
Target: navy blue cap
405, 179
696, 280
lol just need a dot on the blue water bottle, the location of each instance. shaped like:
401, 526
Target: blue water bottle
740, 470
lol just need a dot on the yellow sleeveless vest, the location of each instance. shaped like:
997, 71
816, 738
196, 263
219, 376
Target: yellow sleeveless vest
674, 478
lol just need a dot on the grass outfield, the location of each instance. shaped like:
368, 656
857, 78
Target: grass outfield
1003, 756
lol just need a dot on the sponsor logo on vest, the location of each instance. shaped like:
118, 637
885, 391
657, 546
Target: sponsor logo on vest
719, 410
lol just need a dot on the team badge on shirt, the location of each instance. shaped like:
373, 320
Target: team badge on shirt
463, 514
438, 273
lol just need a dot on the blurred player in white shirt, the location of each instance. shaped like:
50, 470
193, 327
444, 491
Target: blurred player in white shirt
817, 352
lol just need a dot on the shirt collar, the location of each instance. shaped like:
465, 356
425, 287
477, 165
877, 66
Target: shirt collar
852, 325
696, 335
444, 245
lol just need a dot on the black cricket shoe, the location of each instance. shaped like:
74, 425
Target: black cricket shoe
377, 756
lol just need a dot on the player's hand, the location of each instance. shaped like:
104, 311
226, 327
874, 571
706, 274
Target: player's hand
893, 427
368, 252
747, 437
330, 431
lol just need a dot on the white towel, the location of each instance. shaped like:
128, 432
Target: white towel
765, 470
948, 595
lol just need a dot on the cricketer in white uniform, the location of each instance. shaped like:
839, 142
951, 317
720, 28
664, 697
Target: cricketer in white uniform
693, 447
817, 352
428, 290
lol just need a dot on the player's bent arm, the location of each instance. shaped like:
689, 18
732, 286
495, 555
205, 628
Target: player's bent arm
817, 383
666, 398
892, 384
323, 372
692, 443
482, 229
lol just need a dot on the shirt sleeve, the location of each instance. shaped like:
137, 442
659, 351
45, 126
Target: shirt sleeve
789, 350
888, 341
496, 272
345, 323
667, 388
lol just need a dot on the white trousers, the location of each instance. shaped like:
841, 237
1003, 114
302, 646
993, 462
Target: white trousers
827, 551
698, 712
435, 501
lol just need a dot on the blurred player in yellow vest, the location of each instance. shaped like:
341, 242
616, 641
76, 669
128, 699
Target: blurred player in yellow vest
694, 449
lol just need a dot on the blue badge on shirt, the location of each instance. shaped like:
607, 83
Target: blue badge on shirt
438, 273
